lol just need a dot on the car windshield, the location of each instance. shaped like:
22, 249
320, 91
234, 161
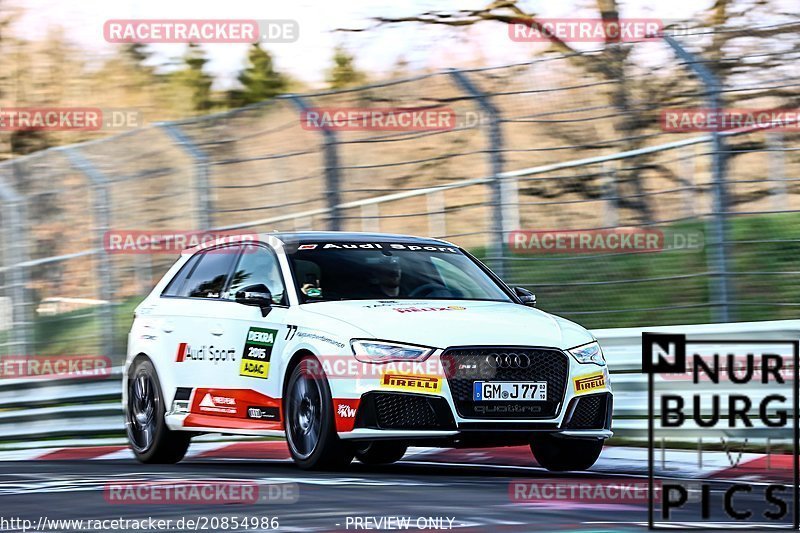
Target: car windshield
366, 271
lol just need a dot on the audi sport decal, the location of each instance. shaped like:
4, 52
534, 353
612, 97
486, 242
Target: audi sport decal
411, 382
379, 246
589, 383
204, 353
257, 353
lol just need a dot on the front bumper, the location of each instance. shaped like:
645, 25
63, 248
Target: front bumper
449, 412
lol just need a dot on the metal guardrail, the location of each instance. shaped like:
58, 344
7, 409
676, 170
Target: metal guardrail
90, 407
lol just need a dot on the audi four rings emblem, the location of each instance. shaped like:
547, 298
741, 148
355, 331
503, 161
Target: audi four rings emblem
508, 360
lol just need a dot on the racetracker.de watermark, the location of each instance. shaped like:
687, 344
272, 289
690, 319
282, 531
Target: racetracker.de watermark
585, 30
615, 240
50, 366
729, 119
171, 242
68, 118
201, 492
588, 491
348, 367
378, 119
199, 31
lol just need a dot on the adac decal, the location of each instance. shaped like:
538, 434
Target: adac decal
345, 413
204, 353
257, 353
411, 382
589, 383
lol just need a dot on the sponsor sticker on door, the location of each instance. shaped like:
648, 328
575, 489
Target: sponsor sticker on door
257, 353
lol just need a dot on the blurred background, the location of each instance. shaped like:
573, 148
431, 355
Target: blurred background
549, 136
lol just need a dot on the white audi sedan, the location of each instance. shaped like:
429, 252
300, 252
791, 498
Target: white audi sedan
358, 345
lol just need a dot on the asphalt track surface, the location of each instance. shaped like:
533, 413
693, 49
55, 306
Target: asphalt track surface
475, 496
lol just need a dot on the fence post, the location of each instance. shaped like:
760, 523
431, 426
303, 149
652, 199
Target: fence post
205, 206
718, 253
332, 178
101, 205
610, 194
16, 274
505, 204
369, 217
437, 218
777, 170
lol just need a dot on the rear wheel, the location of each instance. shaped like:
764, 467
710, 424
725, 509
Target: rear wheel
310, 425
380, 452
149, 437
559, 454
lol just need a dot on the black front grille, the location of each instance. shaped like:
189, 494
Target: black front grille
464, 366
394, 410
590, 412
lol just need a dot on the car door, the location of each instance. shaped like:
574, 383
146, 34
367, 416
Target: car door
194, 312
260, 339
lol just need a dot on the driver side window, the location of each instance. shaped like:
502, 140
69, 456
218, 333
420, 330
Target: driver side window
256, 266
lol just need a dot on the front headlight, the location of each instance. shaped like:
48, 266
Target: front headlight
588, 353
387, 352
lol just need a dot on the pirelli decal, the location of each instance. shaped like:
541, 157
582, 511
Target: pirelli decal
257, 353
589, 383
411, 382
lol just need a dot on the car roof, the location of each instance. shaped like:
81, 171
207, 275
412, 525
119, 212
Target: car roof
351, 236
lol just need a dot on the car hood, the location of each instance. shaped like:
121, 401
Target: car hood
444, 323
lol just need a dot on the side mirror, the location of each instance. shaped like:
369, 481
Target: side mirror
525, 296
257, 296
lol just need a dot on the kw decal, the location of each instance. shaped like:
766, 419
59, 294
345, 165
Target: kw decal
345, 410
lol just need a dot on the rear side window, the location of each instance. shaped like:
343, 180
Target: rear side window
208, 277
176, 284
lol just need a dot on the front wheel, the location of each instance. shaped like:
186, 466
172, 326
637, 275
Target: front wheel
559, 454
310, 425
380, 452
149, 437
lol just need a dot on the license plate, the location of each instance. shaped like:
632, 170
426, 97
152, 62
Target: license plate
520, 391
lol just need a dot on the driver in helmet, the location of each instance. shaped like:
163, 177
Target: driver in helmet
385, 281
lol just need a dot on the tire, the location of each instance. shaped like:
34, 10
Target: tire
150, 439
380, 452
310, 424
560, 454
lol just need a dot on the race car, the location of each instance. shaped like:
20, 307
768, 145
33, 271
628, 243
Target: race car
358, 345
